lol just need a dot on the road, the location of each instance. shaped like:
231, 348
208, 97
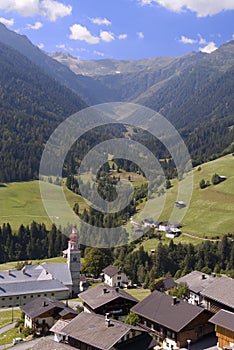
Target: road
200, 238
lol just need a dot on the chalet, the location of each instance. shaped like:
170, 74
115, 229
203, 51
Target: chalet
103, 299
42, 313
197, 282
93, 332
115, 277
224, 327
219, 295
172, 321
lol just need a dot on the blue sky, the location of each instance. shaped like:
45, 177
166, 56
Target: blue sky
122, 29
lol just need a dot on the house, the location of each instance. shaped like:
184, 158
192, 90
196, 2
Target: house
197, 282
163, 285
92, 332
224, 327
219, 295
58, 281
171, 320
115, 277
50, 344
42, 313
149, 222
103, 298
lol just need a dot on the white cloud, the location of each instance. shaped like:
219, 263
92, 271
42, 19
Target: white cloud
107, 36
122, 36
47, 8
98, 53
7, 22
35, 26
140, 35
41, 46
210, 47
101, 21
202, 8
79, 32
186, 40
232, 36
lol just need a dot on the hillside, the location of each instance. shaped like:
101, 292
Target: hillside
210, 213
31, 106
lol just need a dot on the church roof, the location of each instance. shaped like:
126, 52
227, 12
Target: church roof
27, 287
60, 272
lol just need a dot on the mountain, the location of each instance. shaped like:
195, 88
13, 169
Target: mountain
195, 91
32, 105
83, 86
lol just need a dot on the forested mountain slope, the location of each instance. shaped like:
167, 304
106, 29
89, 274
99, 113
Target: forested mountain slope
31, 106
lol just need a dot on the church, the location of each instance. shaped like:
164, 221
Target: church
56, 281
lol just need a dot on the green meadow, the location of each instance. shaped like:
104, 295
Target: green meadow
210, 212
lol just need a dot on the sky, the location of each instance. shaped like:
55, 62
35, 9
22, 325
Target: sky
122, 29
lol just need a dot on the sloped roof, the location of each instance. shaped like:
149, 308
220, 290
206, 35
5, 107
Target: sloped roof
49, 344
111, 270
224, 319
222, 291
41, 305
21, 288
28, 273
197, 281
91, 329
58, 326
60, 272
157, 307
103, 294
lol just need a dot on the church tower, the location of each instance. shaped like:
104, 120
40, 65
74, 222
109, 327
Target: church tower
73, 260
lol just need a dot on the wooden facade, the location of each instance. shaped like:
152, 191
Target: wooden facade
225, 337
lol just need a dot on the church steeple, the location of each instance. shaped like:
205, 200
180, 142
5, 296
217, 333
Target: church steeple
73, 260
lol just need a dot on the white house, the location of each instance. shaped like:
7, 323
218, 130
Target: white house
115, 277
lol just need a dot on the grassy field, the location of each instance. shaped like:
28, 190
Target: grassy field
209, 214
138, 293
6, 317
211, 210
12, 265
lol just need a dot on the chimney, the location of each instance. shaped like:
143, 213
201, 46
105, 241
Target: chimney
173, 301
24, 270
203, 276
107, 320
45, 303
117, 289
104, 290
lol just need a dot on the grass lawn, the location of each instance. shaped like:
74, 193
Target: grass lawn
6, 317
211, 210
10, 335
21, 203
138, 293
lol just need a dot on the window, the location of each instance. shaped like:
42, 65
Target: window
119, 278
17, 298
24, 296
10, 298
3, 298
31, 296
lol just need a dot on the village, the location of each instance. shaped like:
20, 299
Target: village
108, 317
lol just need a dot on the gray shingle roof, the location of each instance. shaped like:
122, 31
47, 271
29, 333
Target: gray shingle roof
49, 344
222, 291
59, 271
95, 297
58, 326
41, 305
157, 307
91, 329
111, 270
197, 281
224, 319
21, 288
31, 272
